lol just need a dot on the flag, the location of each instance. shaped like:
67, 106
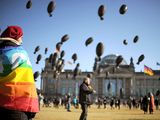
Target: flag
158, 63
148, 70
17, 86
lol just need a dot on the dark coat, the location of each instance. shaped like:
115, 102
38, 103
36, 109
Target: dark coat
84, 94
6, 43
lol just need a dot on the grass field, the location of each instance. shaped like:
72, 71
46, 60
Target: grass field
51, 113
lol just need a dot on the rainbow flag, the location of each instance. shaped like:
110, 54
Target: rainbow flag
17, 86
148, 70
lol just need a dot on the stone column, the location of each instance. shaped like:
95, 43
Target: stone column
131, 86
116, 86
124, 87
100, 86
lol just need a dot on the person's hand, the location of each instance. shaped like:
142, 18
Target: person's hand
94, 91
90, 87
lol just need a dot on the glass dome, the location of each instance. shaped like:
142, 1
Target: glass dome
111, 60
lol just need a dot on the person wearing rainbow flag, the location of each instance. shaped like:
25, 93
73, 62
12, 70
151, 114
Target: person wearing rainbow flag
18, 96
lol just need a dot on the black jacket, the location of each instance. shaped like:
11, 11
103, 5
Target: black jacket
84, 94
6, 43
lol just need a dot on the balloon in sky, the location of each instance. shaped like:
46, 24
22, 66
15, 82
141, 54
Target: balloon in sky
136, 38
123, 9
62, 54
36, 74
74, 57
60, 66
46, 49
119, 59
29, 4
54, 59
58, 46
76, 71
99, 50
101, 12
140, 59
64, 38
38, 58
125, 42
51, 7
36, 49
89, 41
50, 58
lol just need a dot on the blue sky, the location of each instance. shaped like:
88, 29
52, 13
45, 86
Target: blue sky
79, 19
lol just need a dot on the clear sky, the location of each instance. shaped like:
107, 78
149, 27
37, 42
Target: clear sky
79, 19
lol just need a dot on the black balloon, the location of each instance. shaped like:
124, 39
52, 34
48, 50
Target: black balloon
58, 46
38, 58
119, 59
50, 8
74, 57
36, 75
50, 58
76, 71
54, 59
36, 49
109, 86
77, 65
123, 9
125, 42
89, 41
99, 50
29, 4
64, 38
140, 59
136, 38
46, 49
62, 54
101, 11
60, 65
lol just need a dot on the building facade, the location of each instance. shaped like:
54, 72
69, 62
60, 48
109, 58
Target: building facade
107, 80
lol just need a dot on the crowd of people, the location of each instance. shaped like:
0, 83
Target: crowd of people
146, 103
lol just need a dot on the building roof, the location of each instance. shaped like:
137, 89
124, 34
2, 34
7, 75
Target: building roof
111, 60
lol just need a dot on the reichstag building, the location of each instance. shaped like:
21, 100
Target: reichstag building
108, 80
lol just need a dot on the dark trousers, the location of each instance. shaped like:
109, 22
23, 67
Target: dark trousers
6, 114
84, 108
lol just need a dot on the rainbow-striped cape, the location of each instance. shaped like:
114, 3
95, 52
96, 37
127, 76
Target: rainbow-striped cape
17, 86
